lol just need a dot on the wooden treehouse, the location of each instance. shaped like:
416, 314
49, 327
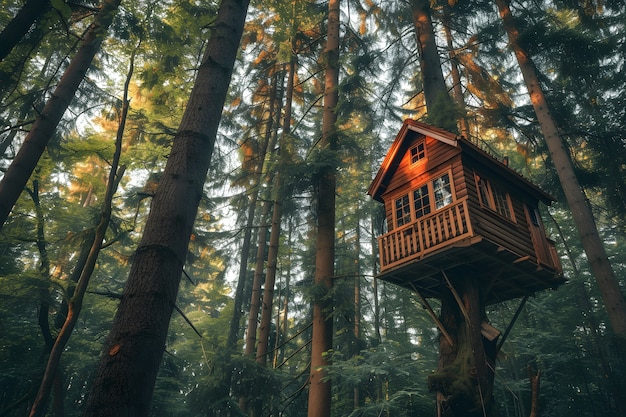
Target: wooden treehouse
453, 210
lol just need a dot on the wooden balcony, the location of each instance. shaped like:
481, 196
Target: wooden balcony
424, 235
416, 255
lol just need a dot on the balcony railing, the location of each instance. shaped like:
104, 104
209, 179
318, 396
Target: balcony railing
424, 235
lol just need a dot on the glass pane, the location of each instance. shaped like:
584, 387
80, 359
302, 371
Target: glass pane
418, 152
502, 203
403, 210
442, 191
421, 201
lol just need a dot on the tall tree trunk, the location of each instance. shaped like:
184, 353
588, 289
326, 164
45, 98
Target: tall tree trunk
457, 87
279, 196
324, 193
124, 381
581, 212
75, 303
41, 131
280, 352
357, 306
430, 64
252, 205
255, 298
439, 105
15, 30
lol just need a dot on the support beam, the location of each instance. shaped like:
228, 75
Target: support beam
432, 314
456, 296
513, 320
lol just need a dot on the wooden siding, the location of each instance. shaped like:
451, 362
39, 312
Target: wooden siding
439, 156
512, 235
463, 238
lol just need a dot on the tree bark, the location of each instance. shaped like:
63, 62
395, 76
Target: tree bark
324, 193
245, 249
15, 30
534, 378
41, 131
581, 211
464, 381
430, 64
124, 381
457, 87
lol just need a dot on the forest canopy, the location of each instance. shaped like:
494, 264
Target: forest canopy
233, 145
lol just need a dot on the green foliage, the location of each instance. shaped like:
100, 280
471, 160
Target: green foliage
386, 378
578, 49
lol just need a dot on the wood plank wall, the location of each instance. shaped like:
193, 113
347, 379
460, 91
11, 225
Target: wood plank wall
514, 236
486, 222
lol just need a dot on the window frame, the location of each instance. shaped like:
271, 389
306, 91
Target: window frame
430, 198
423, 154
494, 195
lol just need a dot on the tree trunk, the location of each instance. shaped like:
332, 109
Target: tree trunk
324, 193
124, 381
534, 378
430, 64
75, 303
41, 131
464, 381
15, 30
279, 195
439, 105
245, 249
255, 298
457, 87
581, 212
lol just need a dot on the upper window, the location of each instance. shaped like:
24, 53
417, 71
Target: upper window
494, 198
423, 200
418, 151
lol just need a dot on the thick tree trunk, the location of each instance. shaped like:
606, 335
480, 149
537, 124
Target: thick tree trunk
41, 131
430, 64
464, 381
581, 212
457, 87
319, 389
20, 24
124, 381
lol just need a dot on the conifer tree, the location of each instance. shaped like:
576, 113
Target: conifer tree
324, 194
602, 270
25, 161
124, 382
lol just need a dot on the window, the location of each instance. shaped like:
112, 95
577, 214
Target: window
418, 151
423, 200
403, 210
494, 198
443, 191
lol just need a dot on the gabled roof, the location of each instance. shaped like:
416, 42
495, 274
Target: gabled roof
398, 148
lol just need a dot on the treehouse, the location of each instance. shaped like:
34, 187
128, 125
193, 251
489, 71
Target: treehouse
453, 210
